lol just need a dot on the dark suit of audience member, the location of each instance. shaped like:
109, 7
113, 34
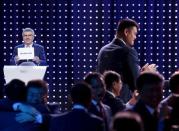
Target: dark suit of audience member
171, 104
78, 119
8, 123
150, 86
120, 56
98, 88
113, 85
39, 53
127, 121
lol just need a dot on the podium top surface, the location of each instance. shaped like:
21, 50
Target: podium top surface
24, 73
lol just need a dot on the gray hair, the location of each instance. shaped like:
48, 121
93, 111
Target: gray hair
28, 30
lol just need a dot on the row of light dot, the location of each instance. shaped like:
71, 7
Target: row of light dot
91, 17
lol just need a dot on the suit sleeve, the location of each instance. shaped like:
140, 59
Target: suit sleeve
132, 68
42, 56
12, 61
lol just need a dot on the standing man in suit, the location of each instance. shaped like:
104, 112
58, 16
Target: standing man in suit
120, 56
39, 53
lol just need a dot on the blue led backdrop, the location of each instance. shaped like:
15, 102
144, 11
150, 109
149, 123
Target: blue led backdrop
72, 33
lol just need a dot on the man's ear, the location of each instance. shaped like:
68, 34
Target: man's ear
126, 31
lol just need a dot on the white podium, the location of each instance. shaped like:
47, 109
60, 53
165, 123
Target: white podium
24, 73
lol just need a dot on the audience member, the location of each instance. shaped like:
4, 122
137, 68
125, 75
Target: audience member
113, 87
98, 91
170, 105
150, 88
127, 121
15, 92
78, 119
36, 108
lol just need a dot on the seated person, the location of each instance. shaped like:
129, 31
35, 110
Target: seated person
37, 91
113, 89
15, 91
28, 37
78, 119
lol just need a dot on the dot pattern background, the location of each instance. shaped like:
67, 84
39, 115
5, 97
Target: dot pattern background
73, 32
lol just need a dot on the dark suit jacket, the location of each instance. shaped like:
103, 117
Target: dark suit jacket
38, 51
77, 120
115, 103
45, 110
172, 102
150, 121
107, 114
8, 123
119, 57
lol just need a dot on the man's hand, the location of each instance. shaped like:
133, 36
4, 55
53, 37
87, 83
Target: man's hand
36, 59
24, 117
28, 109
16, 59
149, 68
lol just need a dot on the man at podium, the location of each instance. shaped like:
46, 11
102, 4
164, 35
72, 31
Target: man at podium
28, 53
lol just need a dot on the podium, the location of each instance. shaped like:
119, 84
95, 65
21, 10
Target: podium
24, 73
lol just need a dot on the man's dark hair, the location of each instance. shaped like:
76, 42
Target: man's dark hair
109, 78
126, 23
91, 76
38, 84
174, 83
16, 90
81, 94
95, 80
147, 79
122, 119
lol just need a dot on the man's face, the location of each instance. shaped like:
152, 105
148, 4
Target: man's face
117, 86
130, 35
98, 89
35, 96
153, 95
28, 37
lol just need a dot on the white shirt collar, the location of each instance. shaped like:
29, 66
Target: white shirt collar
80, 107
111, 93
29, 46
150, 109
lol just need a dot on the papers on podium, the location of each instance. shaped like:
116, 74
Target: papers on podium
25, 53
24, 73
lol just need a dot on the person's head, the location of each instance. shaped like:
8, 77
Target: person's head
81, 94
97, 83
174, 83
127, 30
150, 88
16, 90
28, 36
127, 121
113, 82
37, 91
